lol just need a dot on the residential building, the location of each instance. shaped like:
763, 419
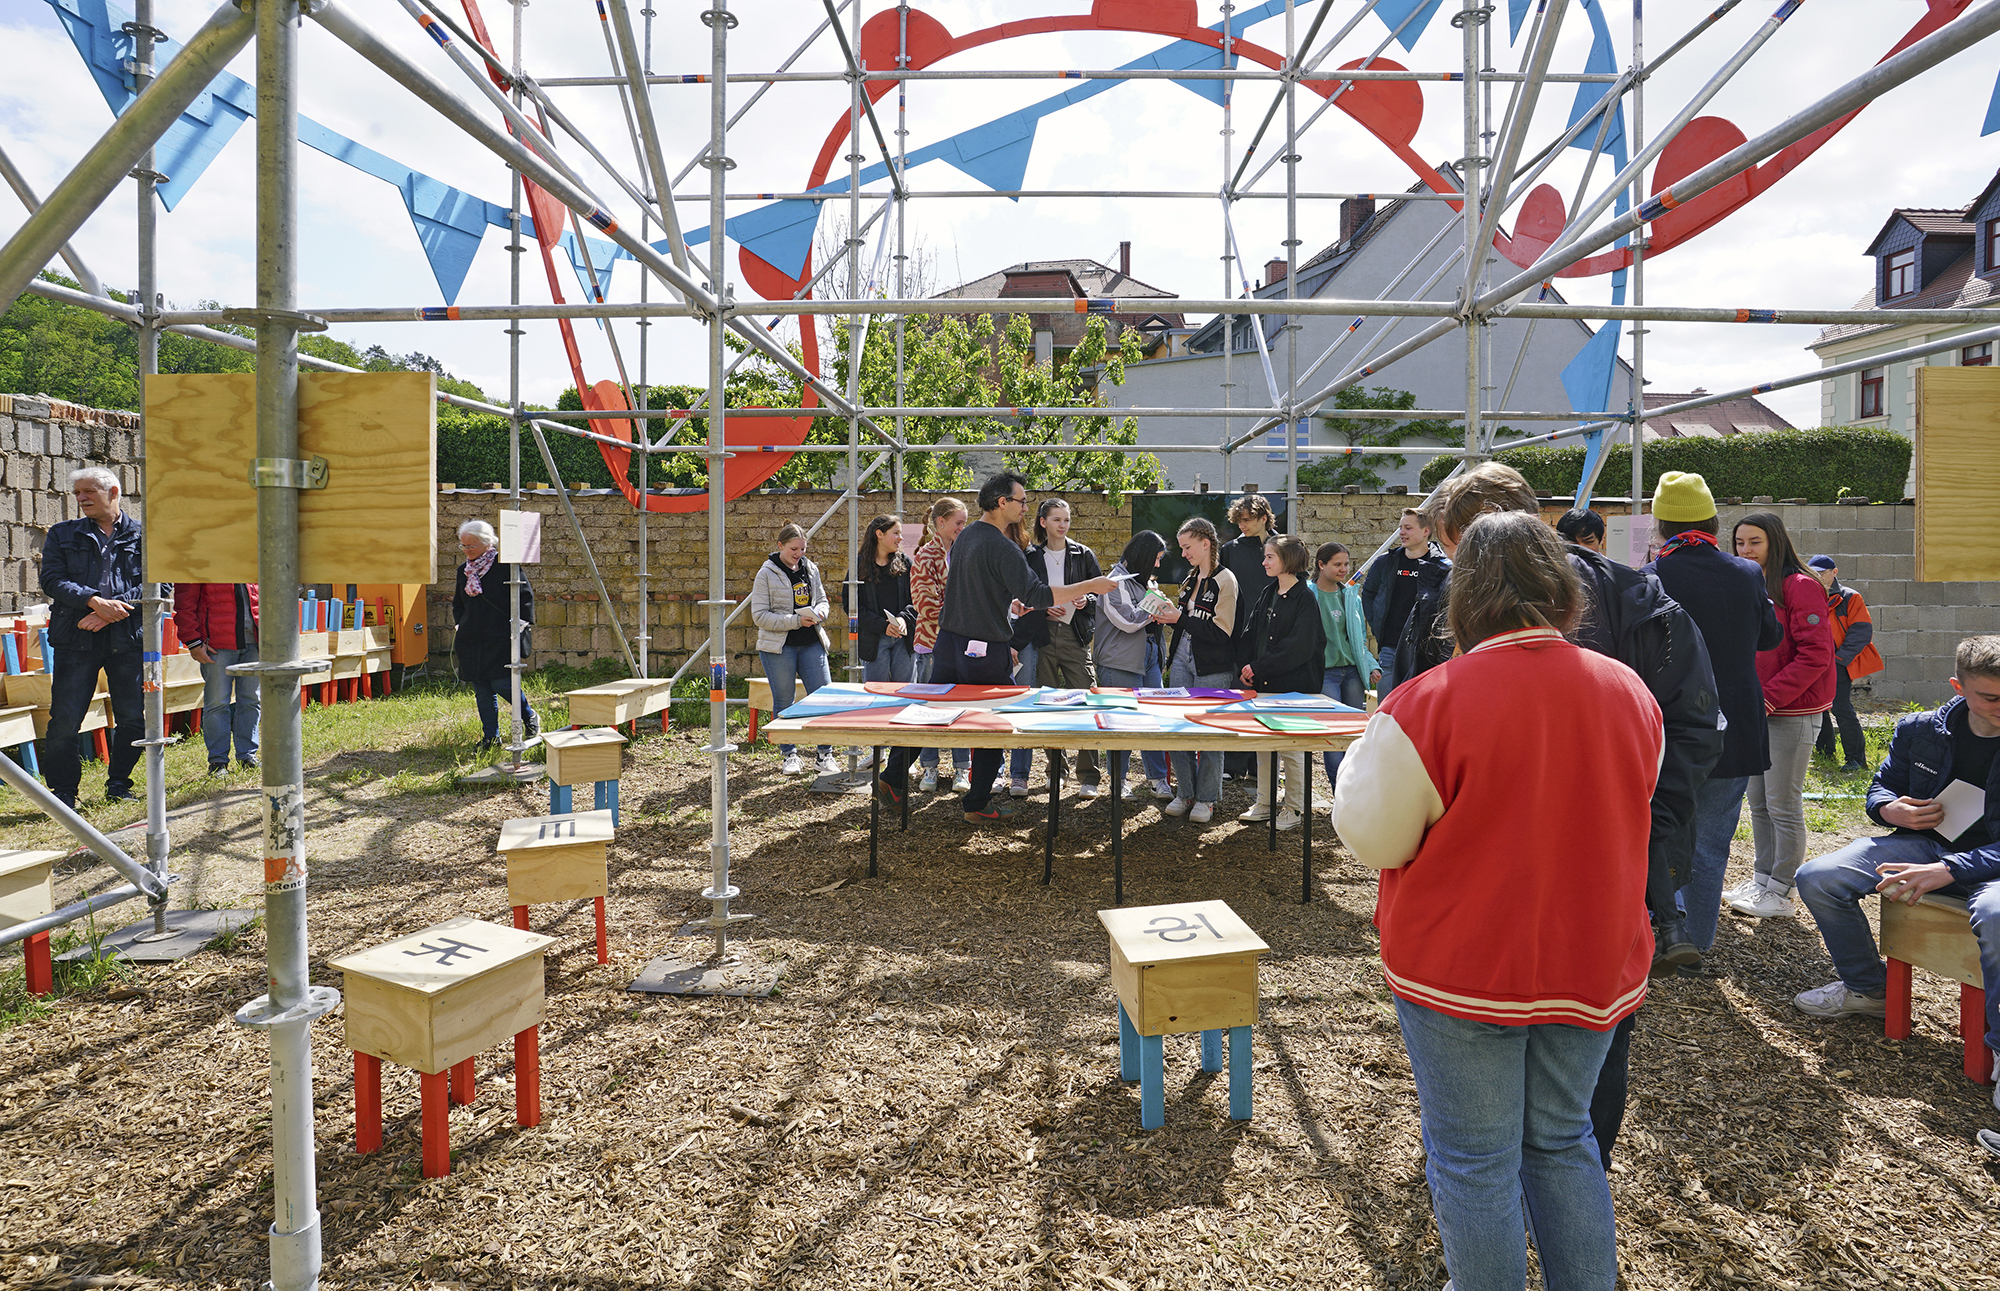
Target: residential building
1716, 421
1923, 259
1133, 304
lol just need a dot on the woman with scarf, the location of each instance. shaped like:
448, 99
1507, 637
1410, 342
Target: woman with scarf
481, 613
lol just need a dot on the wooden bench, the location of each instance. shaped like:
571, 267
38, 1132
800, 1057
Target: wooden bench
617, 702
559, 858
27, 891
431, 1001
760, 702
1935, 935
594, 757
1176, 969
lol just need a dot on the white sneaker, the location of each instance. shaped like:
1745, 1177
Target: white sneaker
1162, 790
929, 783
829, 765
962, 782
1202, 813
1178, 807
793, 764
1261, 811
1746, 890
1834, 1000
1018, 787
1087, 791
1288, 819
1771, 903
1996, 1092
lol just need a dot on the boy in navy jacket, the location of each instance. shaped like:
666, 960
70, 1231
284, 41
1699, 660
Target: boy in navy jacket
1929, 752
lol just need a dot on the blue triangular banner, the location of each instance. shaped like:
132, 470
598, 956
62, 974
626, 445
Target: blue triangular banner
1587, 379
1593, 448
1601, 60
995, 154
1992, 113
603, 255
1517, 10
1393, 12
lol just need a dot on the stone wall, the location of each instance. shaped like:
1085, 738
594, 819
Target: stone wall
41, 442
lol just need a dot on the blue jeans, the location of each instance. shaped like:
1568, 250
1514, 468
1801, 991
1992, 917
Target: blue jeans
928, 758
484, 693
1197, 776
1718, 805
1385, 659
892, 662
1022, 761
789, 668
1117, 679
72, 684
1346, 684
225, 714
1506, 1120
1833, 886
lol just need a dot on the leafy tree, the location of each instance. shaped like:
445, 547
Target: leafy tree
1332, 474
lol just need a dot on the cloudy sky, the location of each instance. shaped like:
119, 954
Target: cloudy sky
1800, 245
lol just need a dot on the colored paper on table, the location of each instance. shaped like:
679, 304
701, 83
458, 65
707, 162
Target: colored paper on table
923, 715
1112, 701
1203, 692
1170, 692
1291, 723
814, 705
1062, 698
1134, 721
926, 688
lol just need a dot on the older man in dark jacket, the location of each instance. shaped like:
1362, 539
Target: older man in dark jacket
91, 570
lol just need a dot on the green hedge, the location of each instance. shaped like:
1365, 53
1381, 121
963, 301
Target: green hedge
472, 451
1819, 465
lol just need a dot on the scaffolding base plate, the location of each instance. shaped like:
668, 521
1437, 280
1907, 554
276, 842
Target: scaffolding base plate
706, 977
508, 773
188, 931
841, 782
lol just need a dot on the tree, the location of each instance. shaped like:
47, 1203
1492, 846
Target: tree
1332, 474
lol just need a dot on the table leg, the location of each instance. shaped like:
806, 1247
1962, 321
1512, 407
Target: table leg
528, 1077
1896, 1018
1152, 1084
1239, 1073
1211, 1050
1128, 1047
1118, 840
1306, 827
436, 1123
40, 968
1972, 1028
1055, 801
461, 1083
603, 940
367, 1102
1269, 766
904, 798
753, 725
874, 806
521, 917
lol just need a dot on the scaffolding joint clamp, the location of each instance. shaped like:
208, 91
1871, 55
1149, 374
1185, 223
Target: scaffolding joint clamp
282, 669
261, 1015
258, 317
140, 172
709, 17
727, 163
1472, 17
289, 473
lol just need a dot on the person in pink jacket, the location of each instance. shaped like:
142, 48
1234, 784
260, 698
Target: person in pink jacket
1798, 682
1513, 949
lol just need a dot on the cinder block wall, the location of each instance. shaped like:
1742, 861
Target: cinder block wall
41, 442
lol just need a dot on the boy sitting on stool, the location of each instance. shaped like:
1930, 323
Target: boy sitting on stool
1929, 751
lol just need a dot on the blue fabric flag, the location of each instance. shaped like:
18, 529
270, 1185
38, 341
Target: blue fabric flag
1992, 113
1601, 60
1593, 448
1587, 379
1392, 13
1516, 11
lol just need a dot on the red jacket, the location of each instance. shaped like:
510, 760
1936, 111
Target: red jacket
214, 615
1797, 676
1511, 832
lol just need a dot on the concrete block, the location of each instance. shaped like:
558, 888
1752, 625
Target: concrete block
1871, 517
1894, 618
1932, 594
1973, 620
1902, 566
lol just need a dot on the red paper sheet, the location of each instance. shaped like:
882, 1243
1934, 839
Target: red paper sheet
958, 695
877, 719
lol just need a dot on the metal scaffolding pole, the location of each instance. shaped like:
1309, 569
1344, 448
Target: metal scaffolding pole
23, 190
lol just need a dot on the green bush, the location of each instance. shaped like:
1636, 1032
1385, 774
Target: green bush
472, 451
1819, 465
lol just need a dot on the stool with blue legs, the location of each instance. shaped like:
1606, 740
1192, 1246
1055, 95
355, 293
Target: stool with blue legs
1176, 969
593, 757
559, 858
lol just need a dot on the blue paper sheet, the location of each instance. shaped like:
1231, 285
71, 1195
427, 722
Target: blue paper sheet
1291, 702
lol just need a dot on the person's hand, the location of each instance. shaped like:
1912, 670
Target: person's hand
93, 622
807, 619
1913, 813
108, 611
202, 654
1375, 677
1100, 586
1246, 674
1015, 609
894, 627
1016, 660
1907, 881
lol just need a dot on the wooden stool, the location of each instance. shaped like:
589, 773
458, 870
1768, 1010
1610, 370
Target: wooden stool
429, 1002
28, 892
760, 702
559, 858
594, 757
1181, 968
1935, 935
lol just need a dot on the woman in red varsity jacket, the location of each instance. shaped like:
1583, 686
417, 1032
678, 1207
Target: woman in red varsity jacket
1505, 797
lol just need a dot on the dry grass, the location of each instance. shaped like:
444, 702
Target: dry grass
931, 1099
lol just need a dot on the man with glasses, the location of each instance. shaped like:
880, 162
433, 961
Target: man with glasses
987, 575
91, 573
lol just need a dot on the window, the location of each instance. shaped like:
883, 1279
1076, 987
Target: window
1992, 245
1871, 392
1899, 274
1976, 356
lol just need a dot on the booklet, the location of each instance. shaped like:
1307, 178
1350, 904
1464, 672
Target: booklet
1112, 701
1292, 701
1170, 692
1291, 723
1063, 698
1154, 603
1964, 806
1121, 721
926, 688
921, 715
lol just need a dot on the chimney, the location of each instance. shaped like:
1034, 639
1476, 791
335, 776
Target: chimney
1125, 259
1355, 212
1274, 271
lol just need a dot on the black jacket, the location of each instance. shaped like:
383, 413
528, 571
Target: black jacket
1243, 556
1213, 647
1725, 595
1289, 651
481, 642
73, 571
1424, 645
1079, 566
1919, 766
885, 594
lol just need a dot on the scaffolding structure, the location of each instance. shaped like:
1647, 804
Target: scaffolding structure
497, 102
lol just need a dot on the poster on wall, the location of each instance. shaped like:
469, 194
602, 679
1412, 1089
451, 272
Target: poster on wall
521, 537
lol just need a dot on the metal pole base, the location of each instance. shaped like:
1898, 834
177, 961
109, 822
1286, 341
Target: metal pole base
187, 932
688, 977
507, 774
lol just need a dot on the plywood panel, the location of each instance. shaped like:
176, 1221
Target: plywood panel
1957, 460
584, 757
1935, 935
27, 890
17, 725
1183, 967
375, 520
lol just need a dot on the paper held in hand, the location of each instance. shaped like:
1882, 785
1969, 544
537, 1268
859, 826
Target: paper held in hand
1154, 603
923, 715
1964, 806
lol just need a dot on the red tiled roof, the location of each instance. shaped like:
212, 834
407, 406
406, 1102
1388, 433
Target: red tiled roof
1725, 418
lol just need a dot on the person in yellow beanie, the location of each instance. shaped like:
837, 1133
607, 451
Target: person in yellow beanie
1725, 595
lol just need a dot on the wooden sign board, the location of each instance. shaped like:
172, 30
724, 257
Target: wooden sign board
27, 890
585, 757
432, 999
1185, 967
376, 519
557, 858
1957, 461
